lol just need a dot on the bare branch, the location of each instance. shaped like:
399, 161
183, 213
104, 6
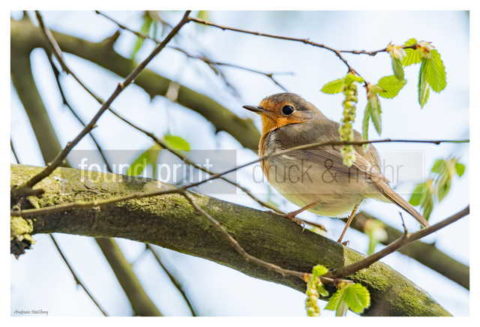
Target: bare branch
56, 74
209, 62
83, 205
77, 279
118, 90
173, 279
394, 246
279, 37
425, 253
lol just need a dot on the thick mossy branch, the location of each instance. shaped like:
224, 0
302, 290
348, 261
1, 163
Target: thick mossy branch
171, 222
26, 36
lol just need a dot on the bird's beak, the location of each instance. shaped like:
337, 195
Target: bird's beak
255, 109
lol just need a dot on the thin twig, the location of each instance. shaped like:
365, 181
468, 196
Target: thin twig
279, 37
209, 62
155, 139
118, 90
98, 203
374, 52
234, 243
15, 155
65, 102
77, 279
394, 246
173, 280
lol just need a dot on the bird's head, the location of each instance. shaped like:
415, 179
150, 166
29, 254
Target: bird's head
283, 109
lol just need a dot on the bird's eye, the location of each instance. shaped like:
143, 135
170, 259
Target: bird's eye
288, 110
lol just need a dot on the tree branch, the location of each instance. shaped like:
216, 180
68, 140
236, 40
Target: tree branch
142, 305
278, 37
61, 156
213, 64
77, 279
173, 280
171, 222
405, 239
49, 145
25, 34
425, 253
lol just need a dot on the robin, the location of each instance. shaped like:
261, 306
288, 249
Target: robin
316, 179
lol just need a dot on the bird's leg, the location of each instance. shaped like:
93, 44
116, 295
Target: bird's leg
349, 221
293, 214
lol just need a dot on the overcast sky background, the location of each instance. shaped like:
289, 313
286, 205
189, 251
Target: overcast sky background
215, 289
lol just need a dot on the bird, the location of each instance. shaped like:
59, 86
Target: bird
316, 179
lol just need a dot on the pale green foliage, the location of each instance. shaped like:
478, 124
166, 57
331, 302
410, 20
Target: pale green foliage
150, 156
349, 112
375, 230
435, 73
147, 157
397, 68
373, 110
355, 297
397, 53
203, 14
176, 142
390, 86
365, 123
147, 25
412, 55
335, 86
423, 87
436, 187
338, 85
315, 289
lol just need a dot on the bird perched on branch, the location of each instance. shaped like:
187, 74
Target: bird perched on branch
316, 179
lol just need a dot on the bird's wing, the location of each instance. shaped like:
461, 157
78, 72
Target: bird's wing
367, 159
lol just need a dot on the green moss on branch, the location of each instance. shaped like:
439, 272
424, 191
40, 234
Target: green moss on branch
171, 222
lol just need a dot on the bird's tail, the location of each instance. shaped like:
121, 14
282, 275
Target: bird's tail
393, 196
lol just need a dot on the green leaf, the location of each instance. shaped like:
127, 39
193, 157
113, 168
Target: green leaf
355, 296
147, 157
413, 56
427, 207
373, 105
376, 232
410, 42
423, 87
435, 73
322, 291
444, 184
372, 244
418, 194
176, 142
398, 69
335, 300
460, 169
439, 166
145, 29
335, 86
350, 78
391, 86
366, 123
319, 270
202, 14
